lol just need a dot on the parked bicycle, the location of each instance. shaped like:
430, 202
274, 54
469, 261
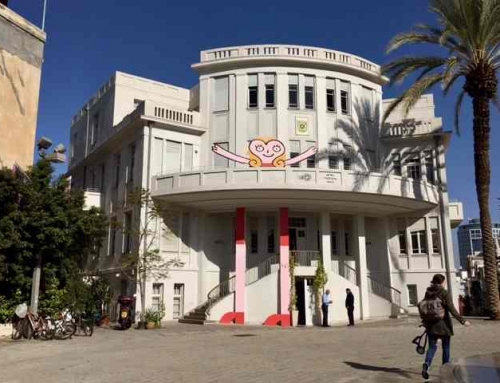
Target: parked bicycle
32, 326
64, 326
84, 325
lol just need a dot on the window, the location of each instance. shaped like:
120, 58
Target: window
254, 242
221, 94
309, 92
396, 164
412, 295
112, 235
95, 129
293, 91
253, 91
333, 161
173, 156
188, 157
131, 167
127, 245
333, 242
347, 157
347, 240
294, 152
74, 144
436, 242
137, 102
402, 242
429, 166
413, 166
178, 310
330, 95
118, 160
344, 97
271, 240
418, 242
103, 177
219, 161
297, 222
311, 161
157, 296
269, 81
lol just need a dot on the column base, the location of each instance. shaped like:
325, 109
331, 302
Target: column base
282, 320
233, 318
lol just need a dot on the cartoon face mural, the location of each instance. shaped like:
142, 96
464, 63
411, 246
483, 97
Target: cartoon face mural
265, 152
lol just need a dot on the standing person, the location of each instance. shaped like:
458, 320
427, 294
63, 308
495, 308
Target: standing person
326, 301
349, 305
435, 312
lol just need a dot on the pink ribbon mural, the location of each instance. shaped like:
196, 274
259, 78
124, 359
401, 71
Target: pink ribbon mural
265, 153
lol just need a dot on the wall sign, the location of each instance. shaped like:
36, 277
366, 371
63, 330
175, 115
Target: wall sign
266, 153
301, 126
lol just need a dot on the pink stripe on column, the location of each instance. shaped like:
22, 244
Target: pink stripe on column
284, 262
241, 257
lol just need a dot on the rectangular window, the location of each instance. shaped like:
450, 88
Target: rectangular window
418, 242
293, 91
412, 295
269, 80
311, 161
219, 161
254, 242
118, 160
347, 245
112, 235
131, 167
396, 164
330, 95
157, 296
309, 92
294, 152
74, 144
333, 161
333, 242
178, 310
188, 157
221, 94
271, 240
297, 222
413, 166
429, 166
127, 245
95, 129
173, 156
344, 98
103, 178
436, 242
347, 157
402, 243
253, 91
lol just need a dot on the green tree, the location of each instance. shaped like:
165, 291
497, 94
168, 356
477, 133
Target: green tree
468, 33
319, 282
43, 222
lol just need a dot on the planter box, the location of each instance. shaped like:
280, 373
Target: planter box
5, 329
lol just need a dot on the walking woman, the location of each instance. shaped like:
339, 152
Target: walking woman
435, 311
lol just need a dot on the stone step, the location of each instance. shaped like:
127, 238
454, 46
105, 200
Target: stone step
195, 316
192, 321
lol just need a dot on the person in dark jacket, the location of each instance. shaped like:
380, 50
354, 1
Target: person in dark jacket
349, 305
442, 328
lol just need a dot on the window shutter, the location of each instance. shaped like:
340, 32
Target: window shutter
221, 94
344, 85
330, 83
269, 79
252, 80
293, 79
309, 80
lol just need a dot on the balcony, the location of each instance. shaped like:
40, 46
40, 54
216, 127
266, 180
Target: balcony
411, 127
456, 211
226, 188
92, 198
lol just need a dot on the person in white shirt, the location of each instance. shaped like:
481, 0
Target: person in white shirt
326, 301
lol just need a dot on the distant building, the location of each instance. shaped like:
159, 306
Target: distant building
470, 240
21, 57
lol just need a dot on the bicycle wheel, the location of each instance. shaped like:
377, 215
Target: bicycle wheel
88, 328
16, 331
65, 331
27, 329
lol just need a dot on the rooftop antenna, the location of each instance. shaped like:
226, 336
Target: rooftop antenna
44, 13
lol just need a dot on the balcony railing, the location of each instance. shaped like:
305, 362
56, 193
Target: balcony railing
294, 51
169, 113
306, 257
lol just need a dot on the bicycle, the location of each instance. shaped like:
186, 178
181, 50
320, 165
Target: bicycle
32, 326
64, 326
84, 325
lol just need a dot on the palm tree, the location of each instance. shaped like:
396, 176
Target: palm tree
469, 33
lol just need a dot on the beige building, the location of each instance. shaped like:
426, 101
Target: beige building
21, 57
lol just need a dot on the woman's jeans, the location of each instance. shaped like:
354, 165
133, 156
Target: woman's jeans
445, 341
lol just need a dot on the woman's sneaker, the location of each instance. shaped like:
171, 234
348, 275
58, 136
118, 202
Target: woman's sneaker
425, 371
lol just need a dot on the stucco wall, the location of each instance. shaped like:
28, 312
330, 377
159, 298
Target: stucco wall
21, 55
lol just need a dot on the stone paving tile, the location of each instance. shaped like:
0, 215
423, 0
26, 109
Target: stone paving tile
371, 352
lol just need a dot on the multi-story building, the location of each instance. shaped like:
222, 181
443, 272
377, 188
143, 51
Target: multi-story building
277, 152
21, 57
470, 240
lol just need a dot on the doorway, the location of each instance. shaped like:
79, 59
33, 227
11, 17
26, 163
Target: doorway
305, 300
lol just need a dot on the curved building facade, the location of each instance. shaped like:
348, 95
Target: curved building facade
277, 155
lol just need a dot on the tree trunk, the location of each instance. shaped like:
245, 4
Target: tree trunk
481, 107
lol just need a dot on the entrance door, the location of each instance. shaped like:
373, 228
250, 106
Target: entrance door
292, 233
310, 300
301, 303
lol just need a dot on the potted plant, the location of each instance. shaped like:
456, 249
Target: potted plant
159, 315
150, 318
293, 296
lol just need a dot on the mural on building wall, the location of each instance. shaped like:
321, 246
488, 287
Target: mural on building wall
266, 153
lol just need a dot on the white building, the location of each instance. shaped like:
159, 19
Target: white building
372, 203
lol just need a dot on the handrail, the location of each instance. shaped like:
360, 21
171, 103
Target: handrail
382, 290
344, 270
305, 257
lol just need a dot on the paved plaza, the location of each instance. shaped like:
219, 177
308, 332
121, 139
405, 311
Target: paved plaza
370, 352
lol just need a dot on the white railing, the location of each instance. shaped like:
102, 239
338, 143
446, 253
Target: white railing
263, 269
344, 270
322, 54
168, 113
305, 257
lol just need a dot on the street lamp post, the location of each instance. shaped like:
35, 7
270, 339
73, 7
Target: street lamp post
58, 156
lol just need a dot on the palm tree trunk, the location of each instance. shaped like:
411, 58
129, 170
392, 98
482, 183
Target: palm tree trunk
481, 107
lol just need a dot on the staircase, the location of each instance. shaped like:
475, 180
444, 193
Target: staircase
199, 314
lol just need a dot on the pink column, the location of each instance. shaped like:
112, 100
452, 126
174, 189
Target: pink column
284, 262
241, 258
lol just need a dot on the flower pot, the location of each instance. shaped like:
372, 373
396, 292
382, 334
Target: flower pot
150, 325
295, 317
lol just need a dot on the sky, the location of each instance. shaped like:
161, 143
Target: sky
89, 40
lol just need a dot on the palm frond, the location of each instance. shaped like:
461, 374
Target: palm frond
399, 69
458, 108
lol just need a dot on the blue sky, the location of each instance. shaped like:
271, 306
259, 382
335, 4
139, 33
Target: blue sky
89, 40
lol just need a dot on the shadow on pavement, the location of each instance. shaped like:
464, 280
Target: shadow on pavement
392, 370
